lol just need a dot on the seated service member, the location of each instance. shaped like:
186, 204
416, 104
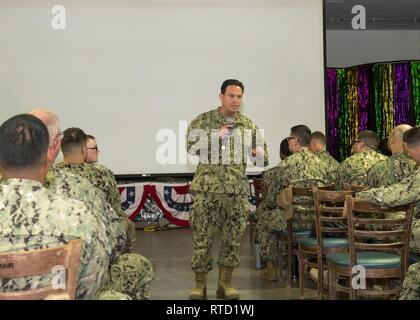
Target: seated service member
301, 169
32, 217
406, 191
353, 170
317, 146
129, 275
395, 168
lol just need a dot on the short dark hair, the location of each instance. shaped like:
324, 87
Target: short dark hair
318, 135
24, 142
72, 138
302, 133
412, 137
369, 138
284, 148
231, 82
90, 137
384, 148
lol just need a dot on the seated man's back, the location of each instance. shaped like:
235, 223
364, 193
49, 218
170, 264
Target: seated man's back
31, 217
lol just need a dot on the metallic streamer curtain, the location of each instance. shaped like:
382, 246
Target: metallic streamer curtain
370, 97
415, 85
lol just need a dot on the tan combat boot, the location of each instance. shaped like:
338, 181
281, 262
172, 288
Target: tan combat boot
199, 292
270, 271
224, 286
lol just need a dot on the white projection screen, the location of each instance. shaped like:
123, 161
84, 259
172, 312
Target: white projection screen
129, 72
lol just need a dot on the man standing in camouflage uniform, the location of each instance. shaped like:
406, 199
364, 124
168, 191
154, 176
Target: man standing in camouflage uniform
406, 191
32, 217
396, 167
353, 170
301, 169
220, 186
317, 146
128, 273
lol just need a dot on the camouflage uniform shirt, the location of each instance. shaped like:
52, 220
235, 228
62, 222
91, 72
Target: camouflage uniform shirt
329, 160
406, 191
354, 169
390, 171
32, 217
100, 178
221, 171
301, 169
76, 187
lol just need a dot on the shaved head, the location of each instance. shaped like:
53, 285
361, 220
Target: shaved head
50, 120
395, 141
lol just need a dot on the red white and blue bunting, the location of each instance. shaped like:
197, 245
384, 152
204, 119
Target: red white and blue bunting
173, 199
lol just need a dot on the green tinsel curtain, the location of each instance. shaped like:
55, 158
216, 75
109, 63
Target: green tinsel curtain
415, 87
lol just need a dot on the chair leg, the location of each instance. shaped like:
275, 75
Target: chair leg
351, 289
289, 264
301, 273
320, 284
331, 283
281, 259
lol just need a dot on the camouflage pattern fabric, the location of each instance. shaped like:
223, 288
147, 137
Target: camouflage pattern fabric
99, 177
269, 224
210, 214
411, 286
104, 182
390, 171
136, 270
76, 187
262, 207
267, 178
353, 170
222, 171
32, 217
407, 191
329, 160
301, 169
131, 274
103, 168
113, 295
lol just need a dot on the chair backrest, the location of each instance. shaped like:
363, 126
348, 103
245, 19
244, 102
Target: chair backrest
374, 228
258, 188
303, 204
354, 188
329, 208
42, 262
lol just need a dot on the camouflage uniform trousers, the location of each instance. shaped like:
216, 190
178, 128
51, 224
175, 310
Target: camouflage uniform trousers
130, 228
130, 275
411, 286
211, 214
113, 295
269, 224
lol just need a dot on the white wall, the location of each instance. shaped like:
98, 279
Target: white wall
353, 47
123, 70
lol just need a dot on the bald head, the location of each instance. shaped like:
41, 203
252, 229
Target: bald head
50, 120
395, 140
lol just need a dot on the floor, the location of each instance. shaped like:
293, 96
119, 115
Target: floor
170, 253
